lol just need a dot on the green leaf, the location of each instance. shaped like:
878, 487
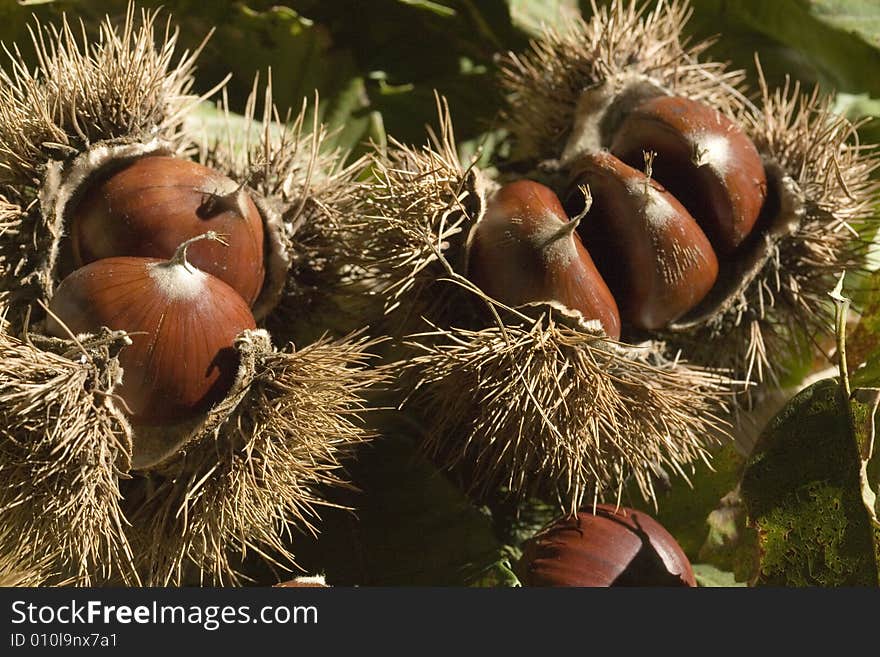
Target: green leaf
802, 489
830, 42
730, 544
708, 576
534, 16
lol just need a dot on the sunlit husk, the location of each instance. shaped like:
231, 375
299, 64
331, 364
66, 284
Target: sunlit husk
527, 400
257, 466
539, 405
63, 447
125, 83
626, 48
569, 91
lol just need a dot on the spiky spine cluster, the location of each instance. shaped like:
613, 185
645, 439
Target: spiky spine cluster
241, 487
11, 214
420, 202
318, 199
118, 85
541, 406
63, 445
544, 85
780, 304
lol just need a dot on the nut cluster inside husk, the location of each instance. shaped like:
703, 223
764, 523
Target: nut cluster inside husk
184, 504
530, 399
510, 395
570, 93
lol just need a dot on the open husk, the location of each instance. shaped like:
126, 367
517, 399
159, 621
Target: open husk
568, 93
527, 400
87, 498
255, 466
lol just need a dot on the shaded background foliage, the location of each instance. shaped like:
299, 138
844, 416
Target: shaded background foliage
375, 65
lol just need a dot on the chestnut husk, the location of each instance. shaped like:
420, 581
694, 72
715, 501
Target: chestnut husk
519, 400
569, 95
184, 514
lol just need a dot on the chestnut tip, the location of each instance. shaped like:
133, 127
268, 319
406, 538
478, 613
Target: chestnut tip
653, 255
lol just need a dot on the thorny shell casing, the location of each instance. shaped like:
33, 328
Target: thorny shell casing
703, 158
611, 547
653, 255
153, 204
73, 487
524, 249
182, 323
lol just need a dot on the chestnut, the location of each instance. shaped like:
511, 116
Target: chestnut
704, 159
525, 249
650, 250
613, 546
151, 205
182, 323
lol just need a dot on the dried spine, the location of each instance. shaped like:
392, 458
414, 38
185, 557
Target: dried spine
257, 464
567, 92
310, 199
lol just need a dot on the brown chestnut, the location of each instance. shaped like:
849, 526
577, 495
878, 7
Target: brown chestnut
525, 249
611, 547
653, 255
703, 158
182, 323
154, 203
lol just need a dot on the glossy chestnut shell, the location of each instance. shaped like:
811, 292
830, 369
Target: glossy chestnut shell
703, 158
524, 249
611, 547
182, 323
153, 204
650, 250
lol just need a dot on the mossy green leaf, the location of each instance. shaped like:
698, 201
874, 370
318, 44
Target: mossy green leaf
802, 489
684, 504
